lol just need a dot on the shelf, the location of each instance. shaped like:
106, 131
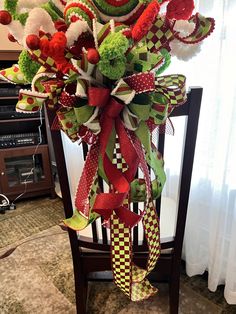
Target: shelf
15, 161
16, 166
8, 97
13, 120
9, 55
29, 147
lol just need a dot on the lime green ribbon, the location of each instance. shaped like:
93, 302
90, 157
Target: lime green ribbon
13, 75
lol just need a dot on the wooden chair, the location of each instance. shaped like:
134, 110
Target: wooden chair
92, 254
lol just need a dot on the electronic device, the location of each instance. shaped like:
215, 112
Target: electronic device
22, 139
9, 112
9, 91
5, 204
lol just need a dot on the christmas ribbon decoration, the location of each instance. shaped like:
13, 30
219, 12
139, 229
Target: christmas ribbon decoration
98, 66
113, 206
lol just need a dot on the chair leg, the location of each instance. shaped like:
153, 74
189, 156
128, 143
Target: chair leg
81, 288
174, 293
80, 278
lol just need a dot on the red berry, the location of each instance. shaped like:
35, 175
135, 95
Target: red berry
5, 17
93, 56
11, 38
33, 42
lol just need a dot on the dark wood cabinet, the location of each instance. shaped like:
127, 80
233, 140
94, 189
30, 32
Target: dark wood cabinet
25, 170
25, 166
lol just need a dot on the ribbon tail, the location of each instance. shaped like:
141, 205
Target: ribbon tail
114, 175
86, 191
127, 151
121, 253
142, 290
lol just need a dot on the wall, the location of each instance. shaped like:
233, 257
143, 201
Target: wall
5, 44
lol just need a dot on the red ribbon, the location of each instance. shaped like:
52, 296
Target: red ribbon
98, 97
105, 203
141, 82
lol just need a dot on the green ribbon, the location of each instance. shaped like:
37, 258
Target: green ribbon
141, 106
83, 113
152, 156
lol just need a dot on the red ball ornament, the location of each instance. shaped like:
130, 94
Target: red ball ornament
33, 42
93, 56
11, 38
180, 10
5, 17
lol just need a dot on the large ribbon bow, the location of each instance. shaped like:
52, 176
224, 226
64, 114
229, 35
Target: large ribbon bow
110, 120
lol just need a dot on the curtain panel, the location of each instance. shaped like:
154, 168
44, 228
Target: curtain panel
210, 237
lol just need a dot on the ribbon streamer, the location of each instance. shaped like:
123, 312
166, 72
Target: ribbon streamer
130, 278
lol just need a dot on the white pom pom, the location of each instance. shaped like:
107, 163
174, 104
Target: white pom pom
185, 28
184, 51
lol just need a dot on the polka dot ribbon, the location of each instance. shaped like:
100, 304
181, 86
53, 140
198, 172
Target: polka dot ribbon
29, 101
13, 75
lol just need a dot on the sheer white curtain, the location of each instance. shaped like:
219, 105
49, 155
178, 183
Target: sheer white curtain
210, 237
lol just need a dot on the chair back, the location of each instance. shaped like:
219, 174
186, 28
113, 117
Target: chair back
100, 236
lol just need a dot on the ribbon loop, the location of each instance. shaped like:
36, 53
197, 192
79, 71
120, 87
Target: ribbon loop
113, 108
98, 96
129, 218
109, 201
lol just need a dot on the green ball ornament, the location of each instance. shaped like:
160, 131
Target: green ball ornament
113, 69
112, 51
